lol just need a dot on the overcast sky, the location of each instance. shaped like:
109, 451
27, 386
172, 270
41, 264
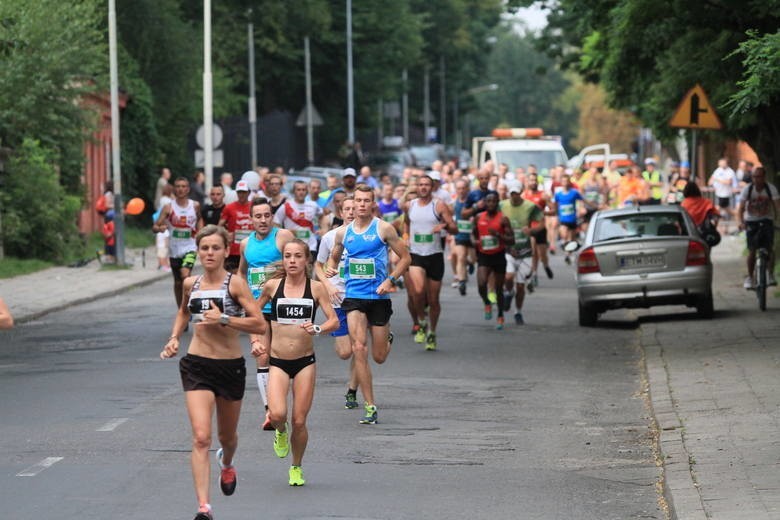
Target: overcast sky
534, 17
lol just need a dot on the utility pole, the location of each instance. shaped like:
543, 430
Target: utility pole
442, 101
252, 99
115, 151
208, 118
405, 103
426, 104
309, 107
350, 89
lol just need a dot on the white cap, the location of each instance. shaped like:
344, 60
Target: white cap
242, 186
515, 187
434, 175
347, 172
650, 160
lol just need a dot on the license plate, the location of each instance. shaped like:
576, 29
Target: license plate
643, 261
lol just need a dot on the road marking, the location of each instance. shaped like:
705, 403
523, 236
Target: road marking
37, 468
111, 425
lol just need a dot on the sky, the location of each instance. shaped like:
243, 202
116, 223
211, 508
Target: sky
534, 17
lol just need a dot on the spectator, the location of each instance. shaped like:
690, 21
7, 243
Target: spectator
162, 181
109, 238
198, 187
230, 196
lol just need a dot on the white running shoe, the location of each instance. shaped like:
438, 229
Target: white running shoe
748, 283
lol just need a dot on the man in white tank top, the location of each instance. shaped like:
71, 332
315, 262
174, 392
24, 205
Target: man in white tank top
425, 218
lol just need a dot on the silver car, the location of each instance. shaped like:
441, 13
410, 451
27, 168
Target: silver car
640, 257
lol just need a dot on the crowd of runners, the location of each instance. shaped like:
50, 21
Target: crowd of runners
272, 259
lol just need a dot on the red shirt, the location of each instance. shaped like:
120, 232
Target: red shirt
108, 233
537, 197
488, 244
238, 220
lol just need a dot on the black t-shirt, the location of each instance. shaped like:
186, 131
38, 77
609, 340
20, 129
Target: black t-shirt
211, 215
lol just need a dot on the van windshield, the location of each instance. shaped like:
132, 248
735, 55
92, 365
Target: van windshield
543, 159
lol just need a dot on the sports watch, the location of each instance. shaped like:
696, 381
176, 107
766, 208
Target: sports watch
224, 319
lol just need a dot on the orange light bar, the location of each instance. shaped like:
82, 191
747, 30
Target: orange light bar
517, 132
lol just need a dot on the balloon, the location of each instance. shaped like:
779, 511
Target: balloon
252, 178
135, 206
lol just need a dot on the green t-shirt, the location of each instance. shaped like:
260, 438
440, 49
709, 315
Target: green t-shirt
520, 217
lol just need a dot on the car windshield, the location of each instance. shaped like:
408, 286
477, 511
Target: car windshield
639, 225
543, 159
425, 154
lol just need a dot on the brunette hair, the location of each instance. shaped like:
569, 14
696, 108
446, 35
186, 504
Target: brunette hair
213, 229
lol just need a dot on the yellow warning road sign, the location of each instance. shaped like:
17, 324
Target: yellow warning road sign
696, 111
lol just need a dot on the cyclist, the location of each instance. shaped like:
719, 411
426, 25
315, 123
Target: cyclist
759, 206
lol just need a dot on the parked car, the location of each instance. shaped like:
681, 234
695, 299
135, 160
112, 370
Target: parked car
640, 257
425, 155
391, 162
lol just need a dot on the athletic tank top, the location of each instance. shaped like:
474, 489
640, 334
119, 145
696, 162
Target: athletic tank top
487, 243
259, 255
537, 197
366, 265
200, 300
182, 224
293, 311
389, 211
422, 239
465, 225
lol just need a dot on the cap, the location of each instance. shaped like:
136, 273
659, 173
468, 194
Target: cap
649, 160
348, 172
515, 187
685, 164
434, 175
242, 186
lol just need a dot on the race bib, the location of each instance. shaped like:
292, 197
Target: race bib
489, 242
465, 226
258, 275
200, 302
421, 238
567, 210
341, 269
181, 233
362, 268
241, 234
390, 216
293, 311
521, 240
302, 234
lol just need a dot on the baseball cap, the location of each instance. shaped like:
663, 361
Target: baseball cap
515, 187
347, 172
650, 160
685, 164
434, 175
242, 186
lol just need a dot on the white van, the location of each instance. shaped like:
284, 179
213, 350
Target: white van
519, 147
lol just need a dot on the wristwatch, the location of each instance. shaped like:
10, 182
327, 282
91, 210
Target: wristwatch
317, 330
224, 319
392, 279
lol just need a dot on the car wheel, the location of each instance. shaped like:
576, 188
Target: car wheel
704, 307
588, 316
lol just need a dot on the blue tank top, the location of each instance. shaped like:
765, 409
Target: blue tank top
465, 225
366, 265
389, 212
259, 255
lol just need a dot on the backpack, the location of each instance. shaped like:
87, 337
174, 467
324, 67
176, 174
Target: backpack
709, 231
101, 205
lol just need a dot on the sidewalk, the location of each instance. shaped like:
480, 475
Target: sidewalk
715, 398
34, 295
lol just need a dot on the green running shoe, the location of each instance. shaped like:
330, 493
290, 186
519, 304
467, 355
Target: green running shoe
492, 297
350, 401
371, 415
296, 476
281, 446
430, 341
419, 334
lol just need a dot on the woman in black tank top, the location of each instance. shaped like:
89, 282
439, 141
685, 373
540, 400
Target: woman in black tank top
294, 300
213, 373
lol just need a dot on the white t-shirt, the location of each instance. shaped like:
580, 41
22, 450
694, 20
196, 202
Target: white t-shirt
326, 246
761, 203
309, 211
722, 190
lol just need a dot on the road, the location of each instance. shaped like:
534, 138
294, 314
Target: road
545, 421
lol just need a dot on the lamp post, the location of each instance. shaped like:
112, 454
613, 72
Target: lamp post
252, 100
115, 150
208, 119
350, 89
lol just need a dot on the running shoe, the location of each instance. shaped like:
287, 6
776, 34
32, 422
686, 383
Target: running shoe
508, 295
488, 312
350, 400
267, 426
519, 318
430, 341
551, 250
530, 285
462, 288
500, 323
455, 284
548, 271
748, 283
492, 297
567, 259
204, 513
371, 415
281, 446
227, 476
419, 334
296, 476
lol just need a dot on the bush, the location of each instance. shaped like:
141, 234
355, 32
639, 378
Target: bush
39, 219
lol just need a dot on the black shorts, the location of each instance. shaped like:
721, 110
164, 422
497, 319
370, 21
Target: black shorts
110, 250
540, 235
571, 225
724, 202
760, 233
496, 261
464, 242
291, 367
377, 312
231, 263
225, 377
432, 264
185, 262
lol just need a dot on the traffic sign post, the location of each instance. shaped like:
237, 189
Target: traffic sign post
695, 111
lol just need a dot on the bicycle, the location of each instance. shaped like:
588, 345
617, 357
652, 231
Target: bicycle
762, 261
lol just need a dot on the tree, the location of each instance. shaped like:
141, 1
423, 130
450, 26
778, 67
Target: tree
647, 67
600, 124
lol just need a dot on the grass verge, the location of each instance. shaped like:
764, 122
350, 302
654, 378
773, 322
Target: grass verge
10, 267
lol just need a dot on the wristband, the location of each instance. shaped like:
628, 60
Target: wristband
317, 330
392, 279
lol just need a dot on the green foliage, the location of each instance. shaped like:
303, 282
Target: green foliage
51, 55
10, 266
39, 220
760, 85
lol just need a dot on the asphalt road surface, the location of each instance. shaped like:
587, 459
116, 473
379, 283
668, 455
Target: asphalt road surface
545, 421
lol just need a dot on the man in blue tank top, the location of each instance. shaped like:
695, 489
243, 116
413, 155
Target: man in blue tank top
259, 251
368, 287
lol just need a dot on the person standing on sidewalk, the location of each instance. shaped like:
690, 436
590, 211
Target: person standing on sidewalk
6, 320
759, 208
213, 373
259, 254
294, 298
368, 287
182, 219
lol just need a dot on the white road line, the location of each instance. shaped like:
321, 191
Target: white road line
37, 468
111, 425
